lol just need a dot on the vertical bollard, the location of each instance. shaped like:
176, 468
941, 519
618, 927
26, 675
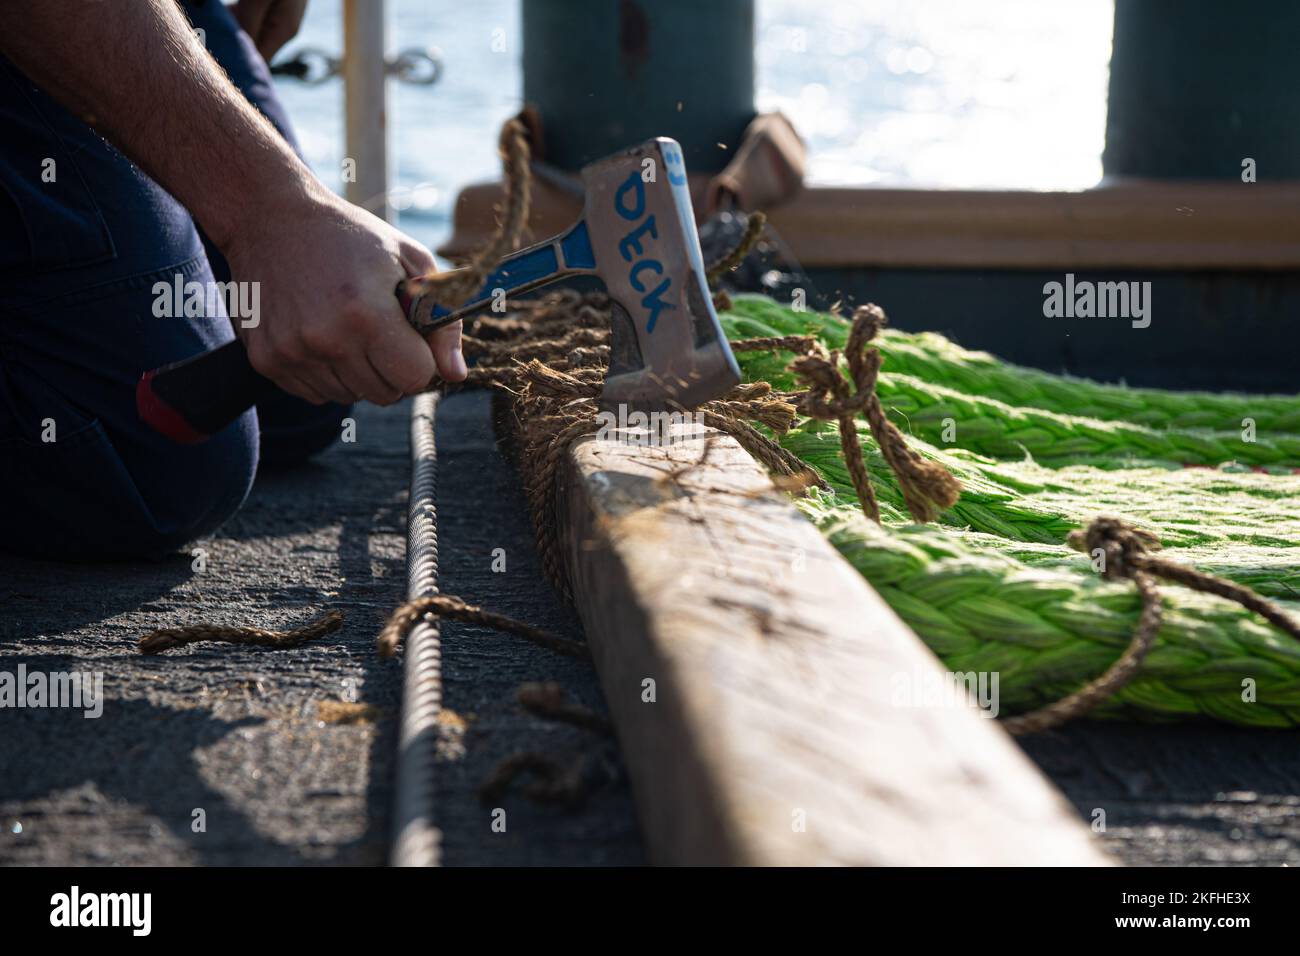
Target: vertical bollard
606, 74
1197, 87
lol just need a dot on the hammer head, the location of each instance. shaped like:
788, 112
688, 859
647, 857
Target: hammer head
667, 350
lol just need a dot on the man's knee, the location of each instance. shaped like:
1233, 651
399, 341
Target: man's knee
193, 491
80, 499
293, 430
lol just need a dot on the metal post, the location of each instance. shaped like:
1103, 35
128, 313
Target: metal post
605, 74
365, 79
1197, 87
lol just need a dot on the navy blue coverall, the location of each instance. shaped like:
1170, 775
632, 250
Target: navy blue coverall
79, 258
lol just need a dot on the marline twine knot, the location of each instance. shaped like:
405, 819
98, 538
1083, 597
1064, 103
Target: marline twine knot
1127, 553
1123, 547
927, 487
452, 289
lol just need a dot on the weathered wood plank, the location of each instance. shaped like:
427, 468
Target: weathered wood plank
775, 670
1126, 223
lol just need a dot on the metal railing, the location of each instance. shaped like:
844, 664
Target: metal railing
365, 68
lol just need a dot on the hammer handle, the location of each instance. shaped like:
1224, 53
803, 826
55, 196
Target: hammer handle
192, 400
567, 254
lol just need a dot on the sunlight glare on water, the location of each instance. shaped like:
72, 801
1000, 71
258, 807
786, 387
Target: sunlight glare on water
945, 93
948, 93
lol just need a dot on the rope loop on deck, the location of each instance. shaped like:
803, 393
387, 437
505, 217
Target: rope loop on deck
449, 607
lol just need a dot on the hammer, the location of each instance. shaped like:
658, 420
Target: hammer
637, 235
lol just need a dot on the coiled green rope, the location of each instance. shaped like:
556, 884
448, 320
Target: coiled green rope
995, 588
938, 392
1047, 630
933, 358
1022, 501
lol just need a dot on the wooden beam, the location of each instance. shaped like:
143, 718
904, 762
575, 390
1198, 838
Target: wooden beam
775, 735
1122, 225
1126, 224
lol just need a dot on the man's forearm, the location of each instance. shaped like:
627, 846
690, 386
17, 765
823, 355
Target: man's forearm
332, 329
135, 72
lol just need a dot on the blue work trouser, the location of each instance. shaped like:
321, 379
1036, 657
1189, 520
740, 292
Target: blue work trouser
85, 237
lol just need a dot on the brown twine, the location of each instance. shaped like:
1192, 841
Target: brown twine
548, 701
567, 785
451, 289
774, 343
165, 639
928, 488
732, 260
445, 606
1127, 553
564, 785
549, 358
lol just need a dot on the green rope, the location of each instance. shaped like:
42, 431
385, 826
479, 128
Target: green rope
1026, 502
995, 588
941, 414
1048, 630
933, 358
994, 428
1272, 572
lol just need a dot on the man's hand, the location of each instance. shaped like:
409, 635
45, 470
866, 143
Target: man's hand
331, 327
330, 324
270, 23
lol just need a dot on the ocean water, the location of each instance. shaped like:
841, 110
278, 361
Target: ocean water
942, 93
